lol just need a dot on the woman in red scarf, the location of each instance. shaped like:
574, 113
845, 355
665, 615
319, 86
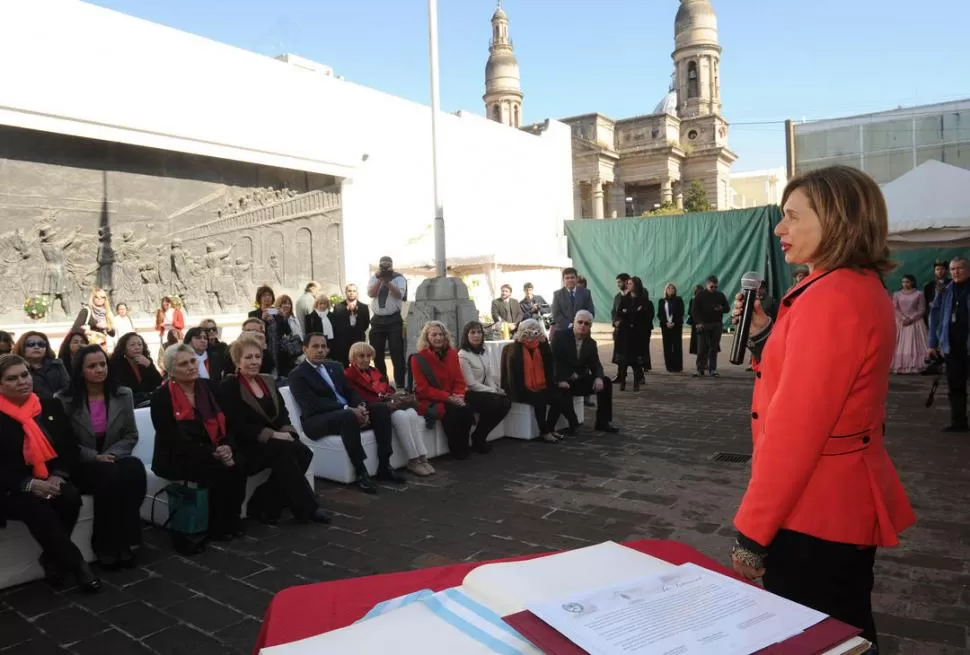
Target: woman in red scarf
191, 441
261, 427
527, 377
37, 454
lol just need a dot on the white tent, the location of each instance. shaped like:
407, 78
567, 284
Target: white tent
929, 207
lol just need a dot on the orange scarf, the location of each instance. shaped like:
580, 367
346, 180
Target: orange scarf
37, 449
532, 366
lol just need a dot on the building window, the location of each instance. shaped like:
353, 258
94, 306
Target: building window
515, 116
497, 113
692, 135
693, 87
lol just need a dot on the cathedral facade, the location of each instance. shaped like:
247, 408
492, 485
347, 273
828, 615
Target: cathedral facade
633, 165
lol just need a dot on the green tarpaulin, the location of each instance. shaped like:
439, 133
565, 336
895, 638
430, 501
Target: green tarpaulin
680, 249
919, 262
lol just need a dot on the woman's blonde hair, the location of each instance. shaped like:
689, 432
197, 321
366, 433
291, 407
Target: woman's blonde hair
322, 298
284, 299
240, 345
852, 211
359, 348
670, 285
108, 316
423, 337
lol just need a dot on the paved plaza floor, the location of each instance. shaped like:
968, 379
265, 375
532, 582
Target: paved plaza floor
654, 480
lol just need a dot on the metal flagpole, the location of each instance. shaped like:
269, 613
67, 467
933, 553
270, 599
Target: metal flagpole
439, 210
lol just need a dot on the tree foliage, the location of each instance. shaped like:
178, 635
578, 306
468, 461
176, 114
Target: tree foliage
695, 200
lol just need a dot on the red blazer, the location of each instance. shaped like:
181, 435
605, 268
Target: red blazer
818, 413
370, 385
448, 374
178, 323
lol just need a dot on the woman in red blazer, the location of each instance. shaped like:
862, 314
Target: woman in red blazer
439, 386
823, 493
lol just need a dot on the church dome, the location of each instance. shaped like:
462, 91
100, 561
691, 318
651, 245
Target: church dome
499, 13
668, 105
696, 24
502, 72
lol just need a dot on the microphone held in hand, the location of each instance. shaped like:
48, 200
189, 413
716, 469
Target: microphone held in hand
750, 283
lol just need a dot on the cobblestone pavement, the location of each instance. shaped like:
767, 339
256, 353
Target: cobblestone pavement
654, 480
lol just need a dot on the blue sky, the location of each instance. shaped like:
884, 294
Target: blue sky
782, 59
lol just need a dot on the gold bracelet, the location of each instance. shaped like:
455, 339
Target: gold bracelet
747, 557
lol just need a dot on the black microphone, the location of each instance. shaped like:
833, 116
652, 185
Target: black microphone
750, 283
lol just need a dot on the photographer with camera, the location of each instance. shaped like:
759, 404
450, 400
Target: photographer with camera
390, 288
950, 337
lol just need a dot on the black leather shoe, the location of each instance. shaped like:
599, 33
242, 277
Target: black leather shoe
264, 517
320, 516
607, 427
482, 448
86, 580
365, 484
570, 431
387, 474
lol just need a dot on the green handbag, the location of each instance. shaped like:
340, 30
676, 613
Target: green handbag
188, 516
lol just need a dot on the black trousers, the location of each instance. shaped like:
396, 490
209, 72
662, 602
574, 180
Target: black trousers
708, 343
119, 489
287, 486
491, 409
673, 340
344, 422
50, 523
956, 381
227, 490
584, 387
547, 406
830, 577
457, 423
388, 332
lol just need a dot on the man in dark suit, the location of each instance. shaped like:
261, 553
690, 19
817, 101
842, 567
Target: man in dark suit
578, 371
569, 300
328, 405
507, 309
350, 320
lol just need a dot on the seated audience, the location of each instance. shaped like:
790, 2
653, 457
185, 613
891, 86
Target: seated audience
439, 386
507, 309
171, 339
38, 453
578, 371
528, 378
328, 405
212, 365
260, 426
318, 321
192, 443
102, 416
374, 387
47, 371
255, 328
212, 334
6, 342
483, 391
70, 345
131, 368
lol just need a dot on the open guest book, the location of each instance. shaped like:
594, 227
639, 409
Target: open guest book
599, 600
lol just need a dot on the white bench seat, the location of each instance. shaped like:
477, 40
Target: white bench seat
18, 563
520, 422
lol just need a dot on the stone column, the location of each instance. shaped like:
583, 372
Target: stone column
666, 191
578, 200
598, 209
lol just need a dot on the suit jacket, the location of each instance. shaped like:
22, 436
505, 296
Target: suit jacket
511, 313
122, 371
314, 396
676, 310
567, 361
183, 450
122, 434
818, 413
246, 420
14, 471
479, 375
564, 307
345, 334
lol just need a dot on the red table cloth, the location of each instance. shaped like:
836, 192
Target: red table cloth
300, 612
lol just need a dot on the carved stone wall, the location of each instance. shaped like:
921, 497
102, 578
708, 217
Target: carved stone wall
145, 223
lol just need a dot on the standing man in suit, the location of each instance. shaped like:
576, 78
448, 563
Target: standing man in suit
569, 300
579, 372
507, 309
328, 405
350, 320
389, 289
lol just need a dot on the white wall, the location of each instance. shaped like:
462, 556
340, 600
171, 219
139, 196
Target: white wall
78, 69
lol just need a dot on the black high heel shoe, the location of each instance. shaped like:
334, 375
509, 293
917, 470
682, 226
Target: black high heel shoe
86, 580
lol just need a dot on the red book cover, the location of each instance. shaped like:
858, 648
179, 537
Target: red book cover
819, 638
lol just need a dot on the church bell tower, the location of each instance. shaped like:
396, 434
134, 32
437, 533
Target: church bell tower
503, 91
697, 60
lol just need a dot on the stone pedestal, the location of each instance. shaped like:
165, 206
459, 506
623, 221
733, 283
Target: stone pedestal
442, 299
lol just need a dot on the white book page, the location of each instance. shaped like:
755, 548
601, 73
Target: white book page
509, 587
410, 630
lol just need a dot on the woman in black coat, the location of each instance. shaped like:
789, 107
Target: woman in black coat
275, 326
670, 316
192, 442
48, 372
132, 367
538, 387
634, 315
35, 487
260, 426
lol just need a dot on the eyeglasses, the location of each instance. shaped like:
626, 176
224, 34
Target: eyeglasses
35, 344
